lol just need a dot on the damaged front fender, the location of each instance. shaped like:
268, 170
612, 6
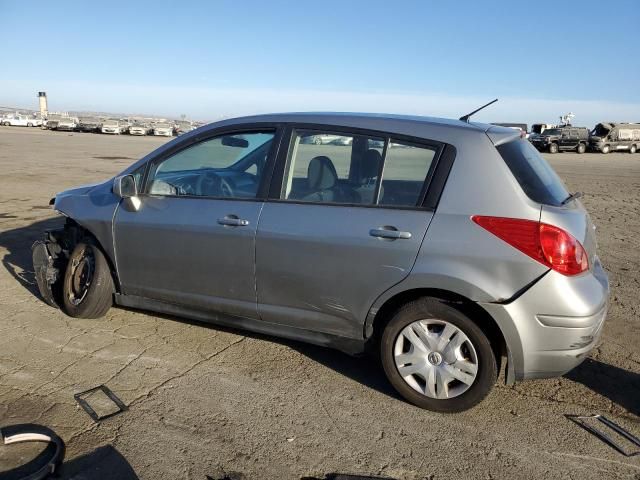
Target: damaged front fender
50, 257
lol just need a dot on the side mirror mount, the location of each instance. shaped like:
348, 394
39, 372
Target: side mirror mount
125, 186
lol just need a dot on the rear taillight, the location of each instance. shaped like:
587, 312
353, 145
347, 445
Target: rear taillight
549, 245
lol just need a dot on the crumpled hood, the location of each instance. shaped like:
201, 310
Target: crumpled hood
80, 190
91, 193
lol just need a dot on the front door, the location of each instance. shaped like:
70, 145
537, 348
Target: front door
346, 227
192, 240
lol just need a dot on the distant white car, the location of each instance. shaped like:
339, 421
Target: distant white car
21, 121
113, 127
163, 129
67, 124
138, 129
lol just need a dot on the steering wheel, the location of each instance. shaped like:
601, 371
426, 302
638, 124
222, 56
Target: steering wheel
213, 185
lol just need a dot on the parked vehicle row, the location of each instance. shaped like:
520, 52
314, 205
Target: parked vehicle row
91, 124
605, 137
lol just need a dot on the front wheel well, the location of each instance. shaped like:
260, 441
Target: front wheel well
74, 233
471, 309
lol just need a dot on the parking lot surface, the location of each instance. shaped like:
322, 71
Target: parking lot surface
210, 401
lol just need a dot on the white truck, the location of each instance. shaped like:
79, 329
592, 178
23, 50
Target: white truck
610, 137
21, 121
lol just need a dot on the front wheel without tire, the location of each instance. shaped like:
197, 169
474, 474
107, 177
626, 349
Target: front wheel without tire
436, 357
605, 149
633, 149
88, 285
582, 148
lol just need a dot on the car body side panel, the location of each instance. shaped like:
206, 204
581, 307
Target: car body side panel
460, 256
318, 267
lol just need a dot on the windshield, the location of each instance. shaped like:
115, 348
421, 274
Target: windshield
600, 131
551, 131
111, 123
163, 125
536, 177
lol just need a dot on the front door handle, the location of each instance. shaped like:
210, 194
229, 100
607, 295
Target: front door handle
233, 221
391, 233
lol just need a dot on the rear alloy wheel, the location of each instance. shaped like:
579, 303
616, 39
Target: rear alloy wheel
88, 285
606, 149
437, 358
553, 148
582, 148
29, 124
317, 141
633, 149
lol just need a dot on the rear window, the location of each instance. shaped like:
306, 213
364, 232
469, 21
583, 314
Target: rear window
536, 177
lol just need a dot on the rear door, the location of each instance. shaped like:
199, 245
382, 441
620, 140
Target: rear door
343, 225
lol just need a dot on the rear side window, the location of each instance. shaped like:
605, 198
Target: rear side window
405, 171
536, 177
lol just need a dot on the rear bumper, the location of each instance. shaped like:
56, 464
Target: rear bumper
554, 325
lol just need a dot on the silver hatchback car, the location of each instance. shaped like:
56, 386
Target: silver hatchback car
446, 247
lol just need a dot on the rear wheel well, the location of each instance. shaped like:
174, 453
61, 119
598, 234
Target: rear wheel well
470, 308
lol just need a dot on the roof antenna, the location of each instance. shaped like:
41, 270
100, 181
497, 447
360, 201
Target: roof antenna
465, 118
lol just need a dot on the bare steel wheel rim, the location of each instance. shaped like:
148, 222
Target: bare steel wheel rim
82, 270
436, 358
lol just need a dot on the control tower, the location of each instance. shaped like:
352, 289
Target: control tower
44, 109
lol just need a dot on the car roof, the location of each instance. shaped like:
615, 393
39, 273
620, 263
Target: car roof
434, 128
354, 119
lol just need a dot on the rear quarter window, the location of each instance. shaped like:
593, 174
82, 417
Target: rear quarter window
536, 177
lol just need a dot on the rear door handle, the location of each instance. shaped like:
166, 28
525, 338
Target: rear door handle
233, 221
389, 232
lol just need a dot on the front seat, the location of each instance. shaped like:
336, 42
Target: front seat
321, 180
370, 169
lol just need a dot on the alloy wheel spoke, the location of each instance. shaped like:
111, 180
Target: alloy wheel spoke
411, 357
449, 351
427, 339
408, 370
445, 336
430, 380
411, 336
459, 374
442, 383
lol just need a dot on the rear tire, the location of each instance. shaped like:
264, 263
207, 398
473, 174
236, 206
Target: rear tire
606, 149
633, 149
88, 285
582, 148
553, 148
465, 346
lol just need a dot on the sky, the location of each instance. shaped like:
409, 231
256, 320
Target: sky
214, 59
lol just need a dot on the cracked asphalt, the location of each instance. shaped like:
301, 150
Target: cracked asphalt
204, 400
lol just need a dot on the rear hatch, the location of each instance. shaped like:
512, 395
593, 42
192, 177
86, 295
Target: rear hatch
542, 185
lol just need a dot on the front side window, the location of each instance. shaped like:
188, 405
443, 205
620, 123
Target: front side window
224, 166
329, 167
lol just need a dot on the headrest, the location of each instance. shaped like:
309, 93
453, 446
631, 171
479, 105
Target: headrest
371, 164
321, 173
